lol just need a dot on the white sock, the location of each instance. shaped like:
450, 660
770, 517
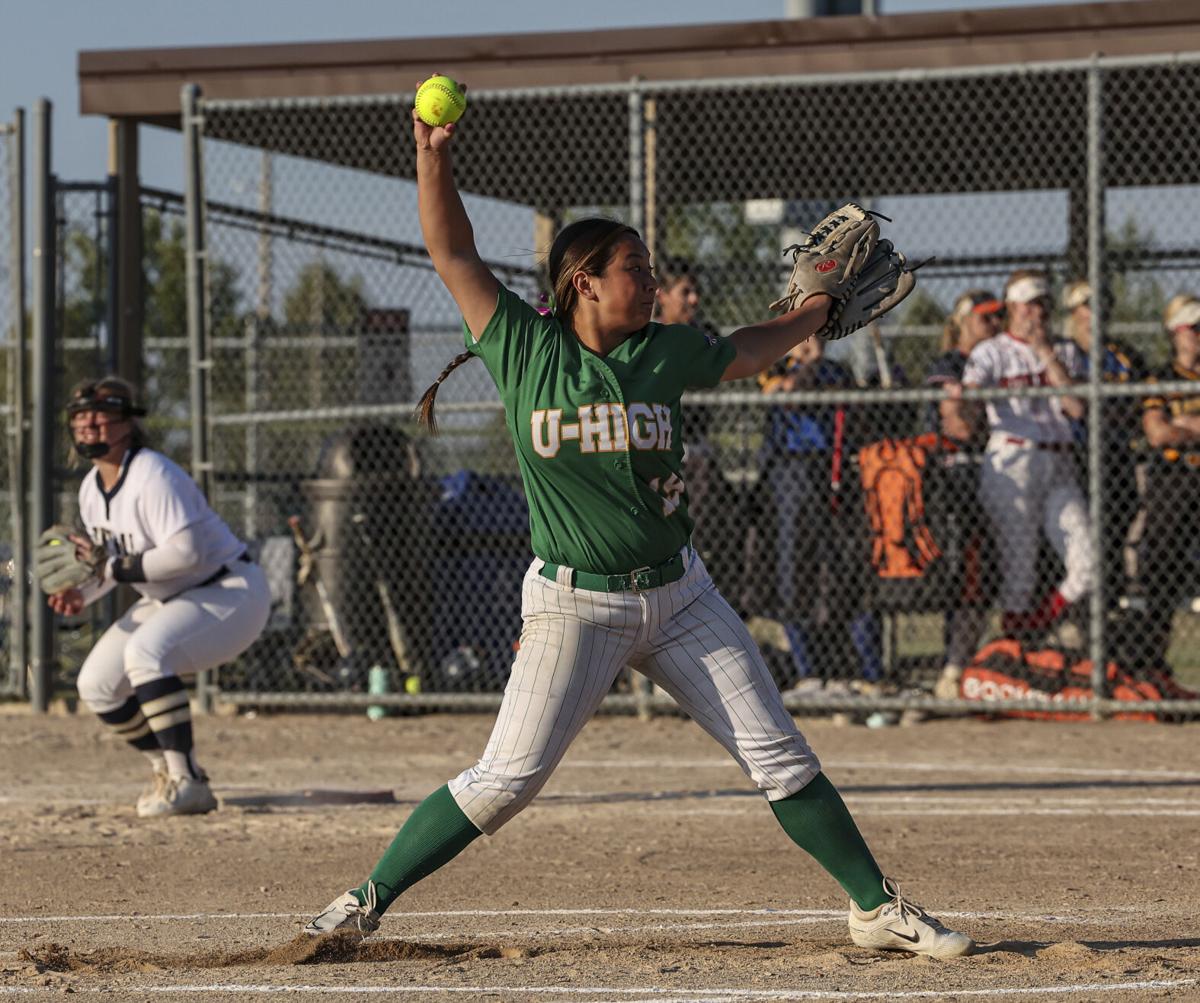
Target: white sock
179, 764
158, 762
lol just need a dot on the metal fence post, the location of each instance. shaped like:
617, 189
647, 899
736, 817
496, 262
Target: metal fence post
18, 630
42, 434
637, 157
199, 362
643, 688
1096, 273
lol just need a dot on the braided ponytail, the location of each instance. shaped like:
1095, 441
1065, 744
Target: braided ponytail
424, 411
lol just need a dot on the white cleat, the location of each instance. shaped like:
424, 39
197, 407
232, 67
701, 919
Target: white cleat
346, 913
152, 795
901, 925
180, 796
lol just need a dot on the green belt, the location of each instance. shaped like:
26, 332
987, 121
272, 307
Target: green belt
638, 580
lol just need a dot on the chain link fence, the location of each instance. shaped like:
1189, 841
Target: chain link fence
890, 547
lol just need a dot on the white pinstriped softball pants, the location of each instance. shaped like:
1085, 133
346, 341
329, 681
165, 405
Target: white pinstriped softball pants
574, 642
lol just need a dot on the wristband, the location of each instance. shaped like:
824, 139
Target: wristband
128, 568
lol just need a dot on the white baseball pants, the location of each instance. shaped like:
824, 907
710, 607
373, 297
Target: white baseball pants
1024, 489
574, 642
200, 629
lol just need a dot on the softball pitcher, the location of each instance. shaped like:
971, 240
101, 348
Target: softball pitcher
592, 399
202, 601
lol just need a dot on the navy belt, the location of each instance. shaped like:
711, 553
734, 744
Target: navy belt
637, 580
212, 579
222, 571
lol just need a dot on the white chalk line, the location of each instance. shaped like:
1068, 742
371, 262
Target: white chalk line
895, 768
915, 804
939, 812
624, 993
1104, 916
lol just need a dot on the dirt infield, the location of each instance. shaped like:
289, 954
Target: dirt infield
647, 870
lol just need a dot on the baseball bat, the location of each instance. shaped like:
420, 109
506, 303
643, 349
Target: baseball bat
395, 629
881, 360
839, 446
309, 555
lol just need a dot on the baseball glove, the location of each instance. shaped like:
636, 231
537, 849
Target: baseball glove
844, 258
61, 565
884, 281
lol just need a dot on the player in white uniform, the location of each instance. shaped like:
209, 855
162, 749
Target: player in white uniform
592, 402
1028, 482
203, 602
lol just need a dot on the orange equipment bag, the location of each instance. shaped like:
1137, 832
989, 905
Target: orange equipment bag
892, 471
1004, 670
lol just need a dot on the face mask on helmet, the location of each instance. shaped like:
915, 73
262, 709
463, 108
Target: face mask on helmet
108, 402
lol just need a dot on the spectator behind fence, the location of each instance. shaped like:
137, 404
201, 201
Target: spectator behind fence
976, 317
1166, 558
1119, 426
1027, 482
803, 530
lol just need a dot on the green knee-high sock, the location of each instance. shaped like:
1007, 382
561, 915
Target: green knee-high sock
436, 832
818, 822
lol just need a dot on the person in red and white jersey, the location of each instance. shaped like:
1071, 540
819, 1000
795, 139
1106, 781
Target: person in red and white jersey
1028, 483
201, 603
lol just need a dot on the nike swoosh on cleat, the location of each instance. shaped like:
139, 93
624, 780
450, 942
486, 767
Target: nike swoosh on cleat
904, 936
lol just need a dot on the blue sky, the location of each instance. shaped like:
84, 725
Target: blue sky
42, 37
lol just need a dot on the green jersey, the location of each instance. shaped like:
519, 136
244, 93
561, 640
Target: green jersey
598, 438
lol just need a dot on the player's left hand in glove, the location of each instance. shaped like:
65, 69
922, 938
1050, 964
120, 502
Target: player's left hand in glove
845, 259
65, 559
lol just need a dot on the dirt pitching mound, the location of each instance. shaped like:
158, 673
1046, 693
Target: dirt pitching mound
331, 949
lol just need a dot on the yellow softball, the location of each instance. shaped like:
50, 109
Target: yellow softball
440, 101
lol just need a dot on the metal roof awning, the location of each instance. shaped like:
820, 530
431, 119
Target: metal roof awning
944, 132
143, 84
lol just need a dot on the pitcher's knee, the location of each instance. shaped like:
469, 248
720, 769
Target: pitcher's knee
490, 799
780, 768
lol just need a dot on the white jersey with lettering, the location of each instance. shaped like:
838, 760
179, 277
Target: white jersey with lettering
1007, 361
153, 500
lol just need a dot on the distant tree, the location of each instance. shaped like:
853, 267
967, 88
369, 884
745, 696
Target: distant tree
81, 316
738, 264
167, 389
320, 306
922, 309
1136, 295
322, 302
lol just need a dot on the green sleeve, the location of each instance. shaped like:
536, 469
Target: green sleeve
514, 336
704, 357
